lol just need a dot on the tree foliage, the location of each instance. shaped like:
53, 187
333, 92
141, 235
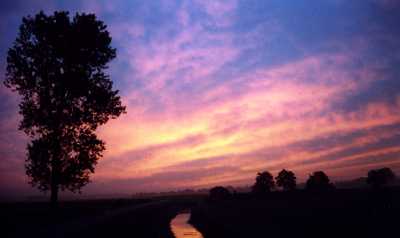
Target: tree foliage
286, 179
219, 193
380, 177
264, 183
319, 181
57, 65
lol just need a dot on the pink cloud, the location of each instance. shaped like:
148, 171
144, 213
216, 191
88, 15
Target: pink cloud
185, 119
219, 11
277, 107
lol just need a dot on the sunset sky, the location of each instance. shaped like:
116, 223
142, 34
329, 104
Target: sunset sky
217, 91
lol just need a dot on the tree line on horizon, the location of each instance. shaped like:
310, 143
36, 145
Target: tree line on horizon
318, 181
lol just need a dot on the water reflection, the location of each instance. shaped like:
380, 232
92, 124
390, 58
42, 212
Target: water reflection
181, 228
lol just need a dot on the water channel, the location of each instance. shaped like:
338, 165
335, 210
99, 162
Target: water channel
182, 229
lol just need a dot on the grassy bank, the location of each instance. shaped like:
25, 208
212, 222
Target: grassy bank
340, 213
20, 218
94, 218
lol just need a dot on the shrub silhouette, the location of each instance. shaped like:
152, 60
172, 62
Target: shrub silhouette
219, 193
319, 181
264, 183
380, 177
286, 179
57, 66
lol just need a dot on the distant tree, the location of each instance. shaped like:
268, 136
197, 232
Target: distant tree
380, 177
219, 193
57, 66
319, 181
231, 189
264, 183
286, 179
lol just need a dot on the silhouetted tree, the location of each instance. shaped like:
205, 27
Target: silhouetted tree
380, 177
219, 193
319, 181
57, 66
286, 179
264, 183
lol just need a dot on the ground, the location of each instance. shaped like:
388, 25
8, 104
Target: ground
94, 218
340, 213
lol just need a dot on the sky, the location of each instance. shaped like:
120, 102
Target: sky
217, 91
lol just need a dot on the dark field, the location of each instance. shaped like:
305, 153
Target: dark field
94, 218
340, 213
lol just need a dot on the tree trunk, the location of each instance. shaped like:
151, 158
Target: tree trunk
54, 181
54, 189
55, 171
54, 196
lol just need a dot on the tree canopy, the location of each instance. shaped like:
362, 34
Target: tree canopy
264, 183
219, 193
57, 65
319, 181
286, 179
380, 177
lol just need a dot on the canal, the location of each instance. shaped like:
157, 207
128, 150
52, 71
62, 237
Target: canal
182, 229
